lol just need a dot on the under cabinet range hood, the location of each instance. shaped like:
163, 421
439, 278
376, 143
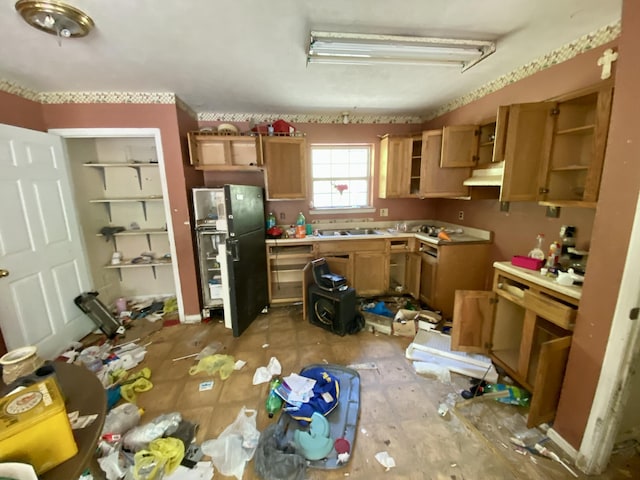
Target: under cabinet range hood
490, 176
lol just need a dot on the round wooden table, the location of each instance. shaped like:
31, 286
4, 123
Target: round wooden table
83, 393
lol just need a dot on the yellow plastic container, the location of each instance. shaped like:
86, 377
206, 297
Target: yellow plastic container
34, 427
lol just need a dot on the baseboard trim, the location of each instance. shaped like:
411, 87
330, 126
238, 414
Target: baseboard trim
566, 447
193, 318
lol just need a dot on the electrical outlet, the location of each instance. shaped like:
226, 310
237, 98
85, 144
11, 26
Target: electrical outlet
282, 216
384, 212
460, 215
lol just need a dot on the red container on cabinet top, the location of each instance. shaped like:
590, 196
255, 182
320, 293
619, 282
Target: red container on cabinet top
527, 262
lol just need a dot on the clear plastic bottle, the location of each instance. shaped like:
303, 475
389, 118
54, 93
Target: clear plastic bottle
537, 252
301, 227
274, 402
271, 220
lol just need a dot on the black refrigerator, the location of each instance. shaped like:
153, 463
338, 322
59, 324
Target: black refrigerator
230, 232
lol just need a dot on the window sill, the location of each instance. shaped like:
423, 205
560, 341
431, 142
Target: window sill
332, 211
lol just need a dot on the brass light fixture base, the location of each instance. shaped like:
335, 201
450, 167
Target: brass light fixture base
54, 17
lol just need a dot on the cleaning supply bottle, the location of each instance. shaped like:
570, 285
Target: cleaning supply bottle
271, 220
274, 402
537, 252
301, 227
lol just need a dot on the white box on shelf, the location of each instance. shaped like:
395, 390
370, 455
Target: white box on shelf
215, 291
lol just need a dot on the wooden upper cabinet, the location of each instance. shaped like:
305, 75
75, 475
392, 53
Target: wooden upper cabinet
285, 160
578, 138
209, 151
436, 181
459, 146
527, 143
395, 166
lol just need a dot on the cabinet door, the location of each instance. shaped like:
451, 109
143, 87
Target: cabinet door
415, 167
473, 313
492, 139
286, 168
412, 274
459, 146
428, 271
434, 180
527, 145
548, 380
500, 134
341, 265
395, 167
371, 273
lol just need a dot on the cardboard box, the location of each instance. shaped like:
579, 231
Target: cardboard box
377, 323
34, 427
407, 329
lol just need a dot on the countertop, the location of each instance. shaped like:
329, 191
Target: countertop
534, 276
468, 235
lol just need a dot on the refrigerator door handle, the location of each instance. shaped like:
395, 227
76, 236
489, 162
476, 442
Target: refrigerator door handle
232, 249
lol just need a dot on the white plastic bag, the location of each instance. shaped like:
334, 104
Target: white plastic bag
235, 446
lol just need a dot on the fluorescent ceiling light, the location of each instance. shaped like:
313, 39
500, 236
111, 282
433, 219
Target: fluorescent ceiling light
369, 49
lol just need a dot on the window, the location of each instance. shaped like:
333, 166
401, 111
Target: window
340, 176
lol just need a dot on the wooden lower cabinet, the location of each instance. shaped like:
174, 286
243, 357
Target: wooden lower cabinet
285, 264
341, 264
371, 273
446, 268
526, 329
364, 263
430, 273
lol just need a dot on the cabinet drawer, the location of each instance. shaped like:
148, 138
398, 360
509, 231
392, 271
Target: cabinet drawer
549, 309
348, 246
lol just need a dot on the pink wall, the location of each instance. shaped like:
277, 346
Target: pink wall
287, 211
605, 231
20, 112
177, 170
515, 232
610, 239
579, 72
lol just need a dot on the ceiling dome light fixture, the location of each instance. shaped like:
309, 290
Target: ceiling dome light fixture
56, 18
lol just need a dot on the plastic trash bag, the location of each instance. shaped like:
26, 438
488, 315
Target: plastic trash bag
265, 374
139, 437
214, 363
235, 446
379, 309
163, 456
275, 459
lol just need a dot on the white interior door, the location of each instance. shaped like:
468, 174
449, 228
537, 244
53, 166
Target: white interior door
40, 245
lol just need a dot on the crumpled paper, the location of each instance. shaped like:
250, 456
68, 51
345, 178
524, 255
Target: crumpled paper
264, 374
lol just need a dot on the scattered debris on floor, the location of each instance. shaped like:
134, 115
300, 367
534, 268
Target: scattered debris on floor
435, 348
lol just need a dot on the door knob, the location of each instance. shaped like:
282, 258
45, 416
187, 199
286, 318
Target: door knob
4, 273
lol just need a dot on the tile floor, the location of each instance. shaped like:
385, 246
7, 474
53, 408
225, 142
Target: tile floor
399, 409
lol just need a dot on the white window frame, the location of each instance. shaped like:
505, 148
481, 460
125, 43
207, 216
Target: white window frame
368, 208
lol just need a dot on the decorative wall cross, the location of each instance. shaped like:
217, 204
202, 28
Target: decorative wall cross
605, 61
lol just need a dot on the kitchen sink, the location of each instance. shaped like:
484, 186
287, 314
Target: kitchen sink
363, 231
347, 233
